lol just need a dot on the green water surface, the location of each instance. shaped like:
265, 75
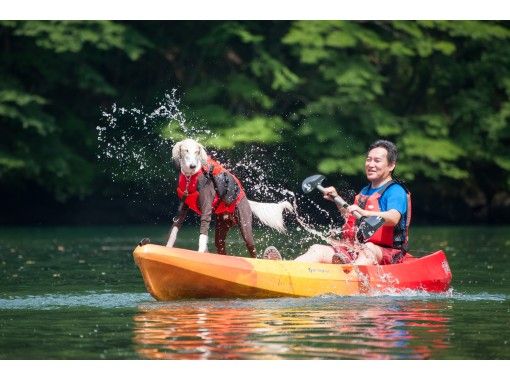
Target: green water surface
75, 293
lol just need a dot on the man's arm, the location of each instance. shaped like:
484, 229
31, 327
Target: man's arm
391, 217
394, 202
330, 193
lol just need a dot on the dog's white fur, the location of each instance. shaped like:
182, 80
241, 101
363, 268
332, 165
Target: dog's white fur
190, 156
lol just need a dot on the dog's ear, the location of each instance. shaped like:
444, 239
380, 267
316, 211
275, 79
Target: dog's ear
203, 155
176, 154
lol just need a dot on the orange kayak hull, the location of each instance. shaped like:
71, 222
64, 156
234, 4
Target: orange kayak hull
175, 273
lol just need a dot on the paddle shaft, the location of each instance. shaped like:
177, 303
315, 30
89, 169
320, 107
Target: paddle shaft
340, 202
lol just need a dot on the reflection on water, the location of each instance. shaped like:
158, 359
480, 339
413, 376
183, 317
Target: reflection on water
329, 330
75, 293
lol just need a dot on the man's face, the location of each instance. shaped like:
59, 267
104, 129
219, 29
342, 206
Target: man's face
377, 167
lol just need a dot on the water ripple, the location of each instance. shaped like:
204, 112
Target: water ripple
145, 302
59, 301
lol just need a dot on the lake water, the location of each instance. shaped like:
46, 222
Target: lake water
75, 293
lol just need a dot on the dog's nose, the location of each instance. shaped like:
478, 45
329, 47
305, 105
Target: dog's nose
192, 166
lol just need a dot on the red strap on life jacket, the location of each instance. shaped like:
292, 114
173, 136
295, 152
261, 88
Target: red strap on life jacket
384, 236
187, 189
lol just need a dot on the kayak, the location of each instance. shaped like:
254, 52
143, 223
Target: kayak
175, 273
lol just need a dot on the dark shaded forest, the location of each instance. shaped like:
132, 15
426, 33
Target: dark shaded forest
299, 96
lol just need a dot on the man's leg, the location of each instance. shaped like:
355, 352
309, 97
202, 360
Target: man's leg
370, 254
317, 253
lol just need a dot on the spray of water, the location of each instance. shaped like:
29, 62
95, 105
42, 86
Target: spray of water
135, 145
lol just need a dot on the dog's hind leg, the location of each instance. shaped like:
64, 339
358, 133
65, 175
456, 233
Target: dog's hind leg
220, 234
244, 217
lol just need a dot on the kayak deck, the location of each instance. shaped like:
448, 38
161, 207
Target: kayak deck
174, 273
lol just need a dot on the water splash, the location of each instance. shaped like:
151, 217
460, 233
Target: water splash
263, 175
134, 150
134, 147
130, 141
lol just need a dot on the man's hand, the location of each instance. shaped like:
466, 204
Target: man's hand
330, 193
353, 208
391, 217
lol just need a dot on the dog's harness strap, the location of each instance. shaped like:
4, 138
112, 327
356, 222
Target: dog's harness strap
185, 193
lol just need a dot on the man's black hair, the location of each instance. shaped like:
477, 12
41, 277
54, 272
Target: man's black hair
390, 148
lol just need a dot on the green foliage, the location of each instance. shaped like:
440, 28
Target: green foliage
261, 130
350, 166
10, 163
24, 108
281, 77
246, 90
473, 30
51, 75
73, 36
324, 89
433, 112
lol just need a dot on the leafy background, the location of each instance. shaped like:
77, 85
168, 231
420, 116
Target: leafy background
314, 94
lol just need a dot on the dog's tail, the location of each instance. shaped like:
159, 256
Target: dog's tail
271, 214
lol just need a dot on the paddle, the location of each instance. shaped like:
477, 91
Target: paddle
367, 226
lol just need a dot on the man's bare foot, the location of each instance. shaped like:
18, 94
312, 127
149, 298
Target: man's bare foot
271, 253
340, 258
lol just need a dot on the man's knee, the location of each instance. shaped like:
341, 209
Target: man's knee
316, 249
374, 251
317, 253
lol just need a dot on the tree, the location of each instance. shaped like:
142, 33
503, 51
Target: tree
51, 75
318, 91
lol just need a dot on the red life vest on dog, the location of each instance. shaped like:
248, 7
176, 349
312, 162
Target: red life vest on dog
387, 236
187, 189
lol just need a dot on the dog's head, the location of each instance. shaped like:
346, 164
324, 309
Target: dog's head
189, 156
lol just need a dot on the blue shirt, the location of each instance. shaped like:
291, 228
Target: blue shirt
395, 197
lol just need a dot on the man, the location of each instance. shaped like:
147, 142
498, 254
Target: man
383, 197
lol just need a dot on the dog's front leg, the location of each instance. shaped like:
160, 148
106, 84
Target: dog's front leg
205, 200
202, 243
178, 220
173, 237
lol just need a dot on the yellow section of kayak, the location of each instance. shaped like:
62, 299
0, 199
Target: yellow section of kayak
174, 273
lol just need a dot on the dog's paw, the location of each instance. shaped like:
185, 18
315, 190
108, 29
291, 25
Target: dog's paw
202, 243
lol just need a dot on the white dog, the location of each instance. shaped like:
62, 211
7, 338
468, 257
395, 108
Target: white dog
208, 188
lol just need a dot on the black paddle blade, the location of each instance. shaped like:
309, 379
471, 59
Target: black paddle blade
368, 226
310, 183
144, 241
